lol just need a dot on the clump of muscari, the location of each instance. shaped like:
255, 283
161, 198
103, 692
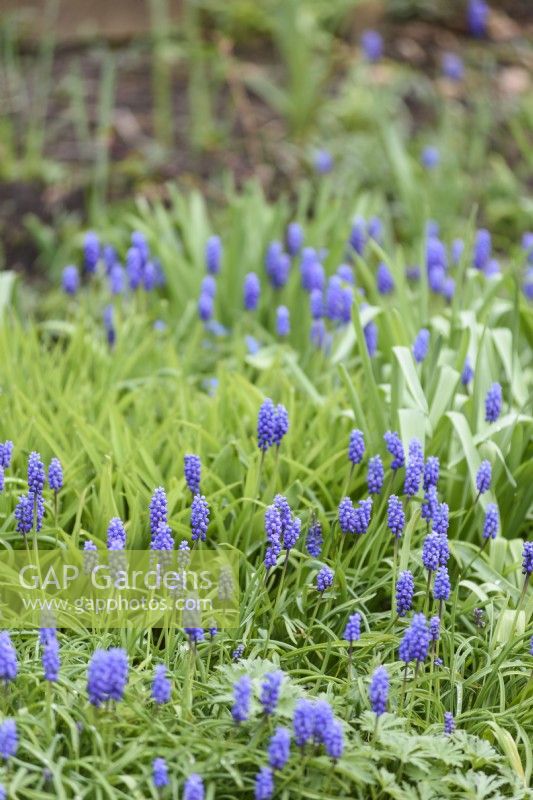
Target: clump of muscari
354, 519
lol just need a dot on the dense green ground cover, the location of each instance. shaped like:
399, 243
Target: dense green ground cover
121, 419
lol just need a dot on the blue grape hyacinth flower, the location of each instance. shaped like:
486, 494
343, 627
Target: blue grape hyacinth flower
161, 685
378, 691
493, 403
279, 748
264, 784
324, 579
394, 445
192, 468
242, 695
8, 739
199, 518
356, 446
405, 589
160, 773
492, 521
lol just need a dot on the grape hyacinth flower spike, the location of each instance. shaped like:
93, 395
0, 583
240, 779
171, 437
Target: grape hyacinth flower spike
493, 403
242, 693
279, 748
194, 788
405, 589
449, 723
160, 773
378, 692
192, 468
352, 632
199, 518
281, 424
266, 425
264, 784
394, 445
356, 447
324, 579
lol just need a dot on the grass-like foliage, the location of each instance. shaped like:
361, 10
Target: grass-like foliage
121, 403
